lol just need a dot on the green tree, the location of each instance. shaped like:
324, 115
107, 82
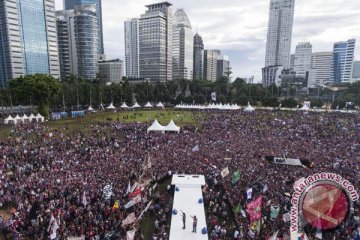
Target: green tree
289, 103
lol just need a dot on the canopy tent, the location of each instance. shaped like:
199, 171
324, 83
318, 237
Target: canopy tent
9, 120
305, 108
156, 127
249, 108
136, 105
111, 107
25, 118
32, 117
148, 105
91, 109
18, 119
39, 118
160, 105
171, 127
124, 106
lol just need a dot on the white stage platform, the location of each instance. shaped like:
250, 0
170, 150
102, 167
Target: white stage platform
187, 200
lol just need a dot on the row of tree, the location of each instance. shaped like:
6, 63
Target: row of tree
74, 93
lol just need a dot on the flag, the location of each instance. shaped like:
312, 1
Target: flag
249, 193
196, 148
116, 205
130, 235
146, 208
135, 193
128, 189
84, 200
54, 226
225, 172
235, 178
302, 236
274, 236
274, 212
213, 96
132, 202
128, 220
254, 209
265, 188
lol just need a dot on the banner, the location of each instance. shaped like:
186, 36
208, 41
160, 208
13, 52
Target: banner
135, 193
76, 238
128, 220
213, 96
130, 235
235, 178
274, 212
287, 161
254, 209
133, 202
225, 172
249, 193
107, 192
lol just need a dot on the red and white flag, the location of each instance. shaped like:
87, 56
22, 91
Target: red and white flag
254, 209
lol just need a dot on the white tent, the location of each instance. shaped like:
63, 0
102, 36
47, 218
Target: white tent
160, 105
40, 118
91, 109
111, 107
124, 106
136, 105
25, 118
9, 120
32, 116
148, 105
305, 108
171, 127
18, 119
249, 108
156, 127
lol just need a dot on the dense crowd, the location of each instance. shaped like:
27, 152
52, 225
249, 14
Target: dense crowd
58, 174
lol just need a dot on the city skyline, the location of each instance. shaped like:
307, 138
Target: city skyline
245, 46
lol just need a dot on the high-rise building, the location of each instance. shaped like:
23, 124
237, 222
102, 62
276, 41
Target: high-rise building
131, 28
278, 44
155, 42
70, 4
271, 75
28, 39
111, 71
198, 72
77, 34
223, 67
183, 47
342, 61
292, 61
210, 64
302, 62
320, 70
356, 71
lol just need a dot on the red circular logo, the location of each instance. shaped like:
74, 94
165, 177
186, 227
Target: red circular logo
325, 206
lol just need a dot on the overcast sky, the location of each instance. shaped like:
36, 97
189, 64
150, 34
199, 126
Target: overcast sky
239, 27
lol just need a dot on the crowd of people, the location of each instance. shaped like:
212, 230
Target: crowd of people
58, 175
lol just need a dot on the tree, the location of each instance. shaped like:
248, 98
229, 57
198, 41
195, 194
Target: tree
289, 103
40, 88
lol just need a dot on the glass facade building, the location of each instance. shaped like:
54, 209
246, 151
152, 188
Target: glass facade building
342, 62
28, 39
131, 28
183, 47
210, 64
155, 42
198, 72
70, 4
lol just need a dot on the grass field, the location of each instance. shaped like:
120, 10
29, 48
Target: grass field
180, 118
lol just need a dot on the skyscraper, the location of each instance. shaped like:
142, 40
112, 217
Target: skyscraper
155, 42
210, 64
223, 66
278, 44
28, 39
356, 71
70, 4
342, 62
320, 70
183, 47
302, 62
132, 48
111, 71
77, 34
198, 72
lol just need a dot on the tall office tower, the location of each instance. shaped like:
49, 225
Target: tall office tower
302, 62
278, 44
132, 48
198, 72
210, 64
77, 34
223, 67
70, 4
111, 71
342, 62
356, 71
28, 39
183, 47
292, 61
320, 70
155, 42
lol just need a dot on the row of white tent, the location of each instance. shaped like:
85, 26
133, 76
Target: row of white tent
218, 106
24, 119
136, 105
157, 127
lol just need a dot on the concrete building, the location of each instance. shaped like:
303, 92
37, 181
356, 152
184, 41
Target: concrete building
210, 64
182, 47
272, 75
198, 72
278, 44
155, 42
28, 39
132, 48
70, 4
342, 62
77, 34
356, 71
111, 71
302, 61
223, 67
292, 61
320, 70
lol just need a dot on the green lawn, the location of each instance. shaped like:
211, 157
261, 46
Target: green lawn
180, 118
